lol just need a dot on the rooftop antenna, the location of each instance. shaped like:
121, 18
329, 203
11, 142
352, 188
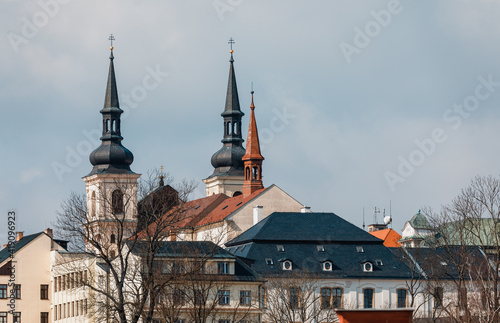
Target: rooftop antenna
375, 211
388, 219
363, 218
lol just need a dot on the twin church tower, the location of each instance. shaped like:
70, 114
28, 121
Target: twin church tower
111, 182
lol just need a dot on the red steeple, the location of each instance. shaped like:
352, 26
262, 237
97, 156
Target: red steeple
252, 158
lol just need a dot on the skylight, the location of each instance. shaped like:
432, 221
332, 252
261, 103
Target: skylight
224, 207
239, 204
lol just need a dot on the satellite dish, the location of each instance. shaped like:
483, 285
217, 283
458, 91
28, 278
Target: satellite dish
387, 219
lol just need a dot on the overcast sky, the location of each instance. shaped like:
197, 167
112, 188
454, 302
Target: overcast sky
358, 103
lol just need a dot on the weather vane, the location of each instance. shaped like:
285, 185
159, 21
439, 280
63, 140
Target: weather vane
111, 38
231, 42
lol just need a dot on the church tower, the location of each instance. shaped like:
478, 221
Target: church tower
111, 186
228, 174
252, 158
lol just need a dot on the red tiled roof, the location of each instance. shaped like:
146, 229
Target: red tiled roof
182, 215
390, 237
204, 211
227, 207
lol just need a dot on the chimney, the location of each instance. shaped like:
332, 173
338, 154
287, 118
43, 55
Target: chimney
257, 214
50, 233
19, 235
305, 209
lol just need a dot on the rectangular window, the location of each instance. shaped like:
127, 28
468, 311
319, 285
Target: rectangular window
294, 295
44, 291
224, 297
3, 317
44, 317
245, 297
3, 291
368, 298
17, 291
401, 298
438, 297
336, 297
223, 268
263, 297
198, 298
16, 317
326, 294
178, 297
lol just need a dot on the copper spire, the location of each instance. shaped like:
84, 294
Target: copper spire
253, 158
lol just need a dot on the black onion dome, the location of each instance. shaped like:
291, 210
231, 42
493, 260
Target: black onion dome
111, 157
228, 160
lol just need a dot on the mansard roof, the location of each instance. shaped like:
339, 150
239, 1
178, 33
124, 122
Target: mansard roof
304, 227
204, 250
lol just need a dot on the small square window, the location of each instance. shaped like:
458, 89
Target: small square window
321, 248
269, 261
360, 249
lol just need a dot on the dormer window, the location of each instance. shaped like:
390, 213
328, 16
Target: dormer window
360, 249
327, 266
287, 265
280, 248
367, 267
379, 262
321, 248
269, 261
223, 268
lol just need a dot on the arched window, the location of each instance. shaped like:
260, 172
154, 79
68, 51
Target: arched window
92, 204
112, 238
235, 128
113, 125
255, 172
117, 201
107, 125
247, 173
112, 253
237, 193
228, 129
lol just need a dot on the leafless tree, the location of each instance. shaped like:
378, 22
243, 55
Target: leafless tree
298, 298
123, 252
466, 249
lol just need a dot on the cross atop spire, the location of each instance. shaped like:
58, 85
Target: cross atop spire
111, 38
231, 42
161, 177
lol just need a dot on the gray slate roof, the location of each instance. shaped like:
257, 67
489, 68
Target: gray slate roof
300, 234
5, 252
304, 227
